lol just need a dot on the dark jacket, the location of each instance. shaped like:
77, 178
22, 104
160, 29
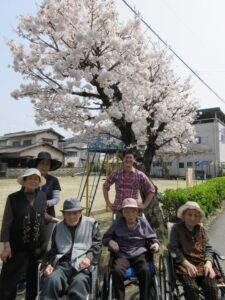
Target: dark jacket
131, 242
27, 225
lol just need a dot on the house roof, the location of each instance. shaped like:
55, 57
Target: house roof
33, 132
8, 151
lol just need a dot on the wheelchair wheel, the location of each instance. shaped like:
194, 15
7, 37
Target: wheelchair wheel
155, 293
107, 290
164, 282
105, 287
96, 294
168, 288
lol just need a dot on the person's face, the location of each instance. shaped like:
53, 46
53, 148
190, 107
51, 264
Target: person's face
44, 166
128, 160
72, 218
191, 218
130, 214
31, 183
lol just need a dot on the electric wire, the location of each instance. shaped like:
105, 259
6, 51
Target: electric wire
171, 50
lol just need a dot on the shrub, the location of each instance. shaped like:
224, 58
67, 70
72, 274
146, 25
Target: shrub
209, 195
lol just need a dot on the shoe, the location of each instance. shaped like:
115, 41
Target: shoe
21, 288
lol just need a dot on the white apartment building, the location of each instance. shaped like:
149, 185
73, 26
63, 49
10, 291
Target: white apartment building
206, 157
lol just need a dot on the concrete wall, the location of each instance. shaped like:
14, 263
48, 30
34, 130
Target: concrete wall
14, 173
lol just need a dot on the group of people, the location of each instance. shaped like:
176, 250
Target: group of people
76, 241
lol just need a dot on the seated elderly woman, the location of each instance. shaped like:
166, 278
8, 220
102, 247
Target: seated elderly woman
131, 239
193, 253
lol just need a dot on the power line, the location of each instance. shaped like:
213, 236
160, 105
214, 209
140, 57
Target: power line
175, 54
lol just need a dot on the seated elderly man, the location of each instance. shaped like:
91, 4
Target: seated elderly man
131, 239
76, 245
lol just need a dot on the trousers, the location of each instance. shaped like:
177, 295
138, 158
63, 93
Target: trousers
11, 274
66, 280
141, 266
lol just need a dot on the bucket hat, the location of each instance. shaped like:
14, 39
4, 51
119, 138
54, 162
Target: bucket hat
189, 205
54, 163
72, 204
129, 202
30, 172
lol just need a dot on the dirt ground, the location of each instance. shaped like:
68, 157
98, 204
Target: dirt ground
70, 188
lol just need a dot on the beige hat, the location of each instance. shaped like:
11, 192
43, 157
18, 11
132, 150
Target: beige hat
129, 202
189, 205
30, 172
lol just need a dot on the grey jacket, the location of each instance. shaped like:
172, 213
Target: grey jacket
86, 242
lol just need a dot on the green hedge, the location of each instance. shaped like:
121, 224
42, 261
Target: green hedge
209, 195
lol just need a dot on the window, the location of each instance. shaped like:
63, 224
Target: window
16, 143
202, 140
223, 135
189, 164
48, 141
72, 153
181, 165
27, 142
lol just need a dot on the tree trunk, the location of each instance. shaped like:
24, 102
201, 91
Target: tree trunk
153, 212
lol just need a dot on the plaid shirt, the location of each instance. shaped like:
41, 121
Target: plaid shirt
128, 185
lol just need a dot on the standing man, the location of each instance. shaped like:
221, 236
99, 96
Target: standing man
128, 182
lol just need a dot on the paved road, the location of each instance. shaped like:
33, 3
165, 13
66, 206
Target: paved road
216, 233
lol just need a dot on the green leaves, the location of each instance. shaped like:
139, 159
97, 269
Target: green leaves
209, 195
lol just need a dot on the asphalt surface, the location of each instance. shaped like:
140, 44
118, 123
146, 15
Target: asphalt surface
216, 234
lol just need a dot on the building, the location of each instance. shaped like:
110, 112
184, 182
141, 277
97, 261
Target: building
18, 147
77, 148
206, 157
76, 152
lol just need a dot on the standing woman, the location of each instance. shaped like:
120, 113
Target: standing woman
22, 235
44, 163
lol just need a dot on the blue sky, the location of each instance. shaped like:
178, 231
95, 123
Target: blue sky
195, 29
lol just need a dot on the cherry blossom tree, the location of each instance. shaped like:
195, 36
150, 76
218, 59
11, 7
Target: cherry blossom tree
86, 71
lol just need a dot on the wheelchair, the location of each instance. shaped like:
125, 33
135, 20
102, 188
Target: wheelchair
94, 293
170, 286
130, 279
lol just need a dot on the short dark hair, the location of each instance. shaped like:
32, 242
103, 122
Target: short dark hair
129, 151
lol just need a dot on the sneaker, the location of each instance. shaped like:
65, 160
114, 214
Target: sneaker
21, 287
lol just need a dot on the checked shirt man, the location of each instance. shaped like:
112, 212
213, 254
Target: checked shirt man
128, 182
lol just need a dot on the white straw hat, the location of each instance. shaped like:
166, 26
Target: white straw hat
30, 172
189, 205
